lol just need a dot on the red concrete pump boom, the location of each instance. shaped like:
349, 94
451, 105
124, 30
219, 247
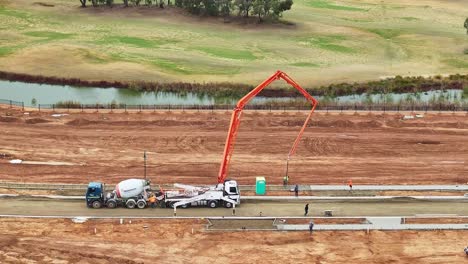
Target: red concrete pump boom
235, 120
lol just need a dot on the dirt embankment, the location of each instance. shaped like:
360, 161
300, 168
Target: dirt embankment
187, 147
186, 241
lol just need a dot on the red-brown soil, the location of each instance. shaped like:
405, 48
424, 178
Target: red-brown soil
186, 241
187, 147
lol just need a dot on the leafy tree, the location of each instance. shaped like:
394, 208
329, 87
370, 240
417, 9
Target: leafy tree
148, 2
466, 25
83, 3
210, 7
225, 7
244, 7
125, 3
281, 6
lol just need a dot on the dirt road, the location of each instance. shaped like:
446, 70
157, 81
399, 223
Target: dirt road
186, 241
187, 147
43, 207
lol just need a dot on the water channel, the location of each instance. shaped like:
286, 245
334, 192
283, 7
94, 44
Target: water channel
32, 93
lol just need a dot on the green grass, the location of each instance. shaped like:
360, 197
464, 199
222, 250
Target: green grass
386, 33
306, 64
4, 51
13, 13
328, 43
130, 41
410, 18
157, 45
228, 53
325, 4
458, 63
49, 35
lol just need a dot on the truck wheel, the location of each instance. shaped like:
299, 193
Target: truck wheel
111, 204
212, 204
97, 204
131, 204
141, 204
170, 204
228, 205
185, 206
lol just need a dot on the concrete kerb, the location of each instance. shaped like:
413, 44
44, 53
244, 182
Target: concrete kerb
287, 227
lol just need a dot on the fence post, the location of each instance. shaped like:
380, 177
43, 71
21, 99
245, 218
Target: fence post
154, 108
53, 108
22, 105
81, 105
10, 104
125, 106
39, 107
97, 109
140, 108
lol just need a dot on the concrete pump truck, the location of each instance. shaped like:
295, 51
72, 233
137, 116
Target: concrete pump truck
133, 193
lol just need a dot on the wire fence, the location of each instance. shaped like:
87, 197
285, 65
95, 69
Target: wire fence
12, 103
377, 107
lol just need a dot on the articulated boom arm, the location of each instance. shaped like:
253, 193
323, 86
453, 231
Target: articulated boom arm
236, 115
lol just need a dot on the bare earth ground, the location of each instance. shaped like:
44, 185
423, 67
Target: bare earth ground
187, 147
173, 241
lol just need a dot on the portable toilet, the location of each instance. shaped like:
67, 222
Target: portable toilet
260, 186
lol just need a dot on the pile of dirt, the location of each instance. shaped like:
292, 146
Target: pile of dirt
36, 121
334, 123
80, 122
9, 119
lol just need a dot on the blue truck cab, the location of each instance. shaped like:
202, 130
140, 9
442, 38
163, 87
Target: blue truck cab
95, 195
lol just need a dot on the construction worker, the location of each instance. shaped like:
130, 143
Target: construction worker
311, 226
306, 209
466, 250
296, 190
285, 180
152, 201
350, 184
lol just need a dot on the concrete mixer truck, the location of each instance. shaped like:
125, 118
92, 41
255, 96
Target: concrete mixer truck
129, 193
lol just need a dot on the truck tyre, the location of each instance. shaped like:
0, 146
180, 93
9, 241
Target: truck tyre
141, 204
212, 204
185, 206
130, 204
97, 204
111, 204
170, 204
227, 204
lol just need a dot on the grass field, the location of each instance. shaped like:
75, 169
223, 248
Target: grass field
323, 42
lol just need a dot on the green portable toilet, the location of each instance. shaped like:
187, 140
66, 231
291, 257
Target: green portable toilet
260, 186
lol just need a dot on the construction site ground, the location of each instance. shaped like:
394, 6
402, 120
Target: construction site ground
187, 147
397, 207
188, 241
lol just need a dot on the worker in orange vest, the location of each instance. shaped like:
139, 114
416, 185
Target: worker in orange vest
350, 184
152, 201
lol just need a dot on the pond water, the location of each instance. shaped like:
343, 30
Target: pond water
50, 94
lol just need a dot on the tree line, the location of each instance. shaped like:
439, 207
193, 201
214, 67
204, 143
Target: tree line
262, 9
